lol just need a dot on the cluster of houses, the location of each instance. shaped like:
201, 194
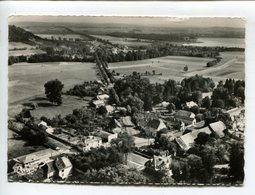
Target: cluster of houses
52, 163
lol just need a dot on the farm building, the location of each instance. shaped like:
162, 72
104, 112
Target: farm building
106, 136
29, 163
156, 124
98, 103
64, 167
189, 118
92, 142
191, 104
103, 97
187, 140
218, 128
136, 161
126, 121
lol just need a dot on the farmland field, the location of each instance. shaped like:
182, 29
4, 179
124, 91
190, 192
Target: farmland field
218, 42
18, 49
56, 36
124, 41
28, 79
171, 67
20, 45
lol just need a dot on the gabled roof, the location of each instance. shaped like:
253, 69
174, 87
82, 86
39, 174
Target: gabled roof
36, 156
109, 108
62, 163
103, 97
157, 124
185, 114
218, 128
49, 167
191, 104
126, 121
186, 141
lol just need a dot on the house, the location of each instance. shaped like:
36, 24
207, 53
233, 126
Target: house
189, 118
218, 128
161, 108
126, 121
98, 103
172, 135
29, 163
109, 109
49, 169
106, 136
137, 161
162, 161
156, 124
64, 167
92, 142
43, 125
191, 104
187, 140
103, 97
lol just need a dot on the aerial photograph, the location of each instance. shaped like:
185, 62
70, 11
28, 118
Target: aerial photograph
114, 100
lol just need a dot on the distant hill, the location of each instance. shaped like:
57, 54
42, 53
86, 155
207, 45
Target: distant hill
17, 34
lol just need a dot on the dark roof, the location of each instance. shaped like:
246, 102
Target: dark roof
183, 114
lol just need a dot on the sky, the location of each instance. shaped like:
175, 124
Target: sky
144, 21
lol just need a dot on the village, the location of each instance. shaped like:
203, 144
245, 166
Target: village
155, 139
115, 109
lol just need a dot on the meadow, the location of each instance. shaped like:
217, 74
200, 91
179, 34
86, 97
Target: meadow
18, 49
218, 42
124, 40
28, 79
172, 67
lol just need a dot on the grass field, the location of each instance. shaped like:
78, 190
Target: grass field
18, 49
20, 45
28, 79
171, 67
124, 41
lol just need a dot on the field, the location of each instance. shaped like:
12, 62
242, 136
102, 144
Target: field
18, 49
124, 41
56, 36
28, 79
218, 42
171, 67
20, 45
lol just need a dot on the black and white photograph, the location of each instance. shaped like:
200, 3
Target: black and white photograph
126, 100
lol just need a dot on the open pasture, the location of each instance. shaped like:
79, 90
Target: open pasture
20, 45
124, 41
171, 67
235, 69
28, 79
62, 36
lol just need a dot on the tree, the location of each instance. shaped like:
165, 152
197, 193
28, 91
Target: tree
53, 91
206, 102
124, 143
236, 162
186, 68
